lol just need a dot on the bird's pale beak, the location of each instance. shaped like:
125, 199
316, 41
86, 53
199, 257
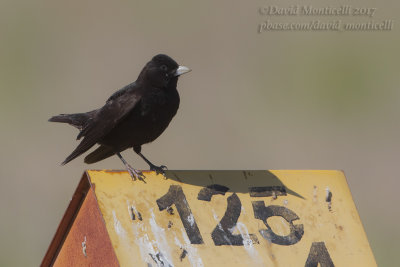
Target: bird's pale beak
181, 70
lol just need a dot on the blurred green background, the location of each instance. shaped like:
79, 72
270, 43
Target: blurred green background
276, 100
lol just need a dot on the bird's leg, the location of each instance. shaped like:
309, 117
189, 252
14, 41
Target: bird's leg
158, 169
135, 174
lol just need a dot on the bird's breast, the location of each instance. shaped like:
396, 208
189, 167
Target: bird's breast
159, 105
156, 112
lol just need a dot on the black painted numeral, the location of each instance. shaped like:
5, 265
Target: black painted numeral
222, 233
176, 196
206, 193
267, 191
263, 213
319, 255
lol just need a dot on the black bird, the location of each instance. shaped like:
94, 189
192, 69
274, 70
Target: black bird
134, 115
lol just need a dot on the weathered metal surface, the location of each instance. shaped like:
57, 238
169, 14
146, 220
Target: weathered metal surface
232, 218
87, 242
66, 222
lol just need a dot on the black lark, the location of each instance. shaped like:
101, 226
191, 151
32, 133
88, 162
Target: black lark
134, 115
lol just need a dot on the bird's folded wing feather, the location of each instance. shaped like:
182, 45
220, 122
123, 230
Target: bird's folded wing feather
115, 109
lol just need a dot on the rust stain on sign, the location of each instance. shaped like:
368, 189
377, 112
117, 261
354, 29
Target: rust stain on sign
237, 218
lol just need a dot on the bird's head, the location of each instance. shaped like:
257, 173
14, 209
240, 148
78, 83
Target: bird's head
162, 71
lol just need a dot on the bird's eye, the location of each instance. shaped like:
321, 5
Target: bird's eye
164, 68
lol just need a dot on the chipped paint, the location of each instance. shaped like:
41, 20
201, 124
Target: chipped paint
191, 252
215, 216
132, 210
84, 247
194, 259
190, 218
161, 238
149, 249
328, 198
118, 227
243, 210
247, 241
146, 249
142, 241
177, 242
248, 244
315, 193
220, 227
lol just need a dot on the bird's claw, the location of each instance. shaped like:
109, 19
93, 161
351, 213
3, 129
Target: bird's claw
135, 174
159, 169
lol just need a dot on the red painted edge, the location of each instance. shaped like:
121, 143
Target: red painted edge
67, 221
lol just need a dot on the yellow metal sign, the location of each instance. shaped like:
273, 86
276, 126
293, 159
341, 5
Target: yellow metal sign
232, 218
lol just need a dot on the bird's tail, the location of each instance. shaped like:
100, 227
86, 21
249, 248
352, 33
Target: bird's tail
100, 153
78, 120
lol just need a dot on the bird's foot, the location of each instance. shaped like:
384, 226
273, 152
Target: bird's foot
135, 174
159, 169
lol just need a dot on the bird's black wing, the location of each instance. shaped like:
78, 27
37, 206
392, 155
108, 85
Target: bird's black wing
106, 118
